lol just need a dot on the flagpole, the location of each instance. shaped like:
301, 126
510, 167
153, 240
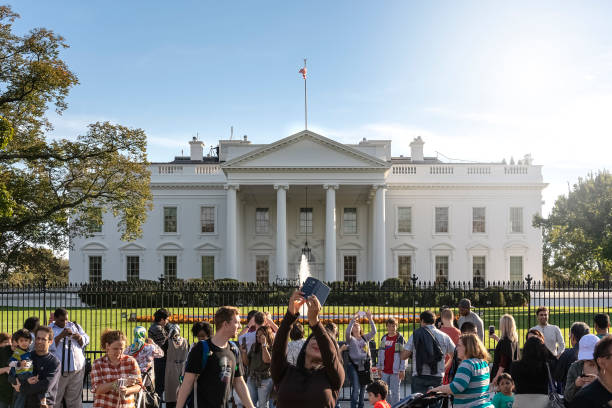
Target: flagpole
305, 101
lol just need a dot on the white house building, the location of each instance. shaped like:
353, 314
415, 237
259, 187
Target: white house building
247, 212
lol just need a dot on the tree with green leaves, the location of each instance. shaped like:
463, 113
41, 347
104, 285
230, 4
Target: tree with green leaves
51, 190
578, 232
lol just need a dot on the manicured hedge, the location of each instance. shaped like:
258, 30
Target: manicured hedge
196, 293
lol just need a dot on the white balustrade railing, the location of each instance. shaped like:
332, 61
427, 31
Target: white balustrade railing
169, 169
478, 170
516, 170
403, 169
441, 170
208, 169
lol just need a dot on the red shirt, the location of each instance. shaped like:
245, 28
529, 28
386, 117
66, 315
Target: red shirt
382, 403
103, 372
389, 354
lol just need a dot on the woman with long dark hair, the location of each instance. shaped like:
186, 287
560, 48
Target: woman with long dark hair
258, 361
318, 375
530, 373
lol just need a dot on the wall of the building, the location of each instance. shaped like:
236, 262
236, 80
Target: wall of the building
497, 244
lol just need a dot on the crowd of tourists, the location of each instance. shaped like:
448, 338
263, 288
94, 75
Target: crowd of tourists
43, 366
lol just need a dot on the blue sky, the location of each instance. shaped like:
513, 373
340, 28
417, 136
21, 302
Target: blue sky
477, 80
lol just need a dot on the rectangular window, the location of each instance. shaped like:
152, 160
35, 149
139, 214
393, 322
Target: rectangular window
262, 268
170, 267
516, 219
262, 220
95, 222
170, 219
133, 268
478, 271
404, 219
349, 221
208, 267
516, 269
404, 267
95, 269
442, 269
207, 219
478, 219
441, 220
305, 220
350, 268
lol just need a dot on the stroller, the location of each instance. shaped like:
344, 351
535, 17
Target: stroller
419, 400
147, 398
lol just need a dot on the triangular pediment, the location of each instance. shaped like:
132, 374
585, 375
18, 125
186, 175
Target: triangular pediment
207, 247
404, 247
306, 149
132, 246
94, 246
170, 246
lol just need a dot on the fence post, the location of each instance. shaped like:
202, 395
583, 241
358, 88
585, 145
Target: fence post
161, 289
414, 280
529, 278
43, 283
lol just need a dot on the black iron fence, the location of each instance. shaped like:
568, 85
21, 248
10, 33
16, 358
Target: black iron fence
125, 305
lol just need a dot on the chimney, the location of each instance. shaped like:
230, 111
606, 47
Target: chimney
197, 149
416, 149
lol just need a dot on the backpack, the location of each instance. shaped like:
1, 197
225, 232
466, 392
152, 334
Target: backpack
205, 352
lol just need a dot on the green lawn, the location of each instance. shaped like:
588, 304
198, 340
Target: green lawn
94, 321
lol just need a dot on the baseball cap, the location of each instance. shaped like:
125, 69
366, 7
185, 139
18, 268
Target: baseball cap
586, 346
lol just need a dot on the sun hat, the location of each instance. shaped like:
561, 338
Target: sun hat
586, 346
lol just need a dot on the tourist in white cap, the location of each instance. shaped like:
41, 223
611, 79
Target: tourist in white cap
584, 370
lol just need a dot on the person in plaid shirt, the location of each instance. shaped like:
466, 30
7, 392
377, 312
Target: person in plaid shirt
115, 377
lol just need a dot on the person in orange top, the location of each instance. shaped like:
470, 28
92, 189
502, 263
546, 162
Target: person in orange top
377, 392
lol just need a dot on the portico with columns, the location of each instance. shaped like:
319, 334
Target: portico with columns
247, 213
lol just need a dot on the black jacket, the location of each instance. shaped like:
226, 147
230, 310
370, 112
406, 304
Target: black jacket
427, 350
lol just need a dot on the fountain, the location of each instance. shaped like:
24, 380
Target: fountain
304, 271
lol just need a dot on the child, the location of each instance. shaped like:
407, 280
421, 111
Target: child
20, 363
390, 364
504, 398
377, 392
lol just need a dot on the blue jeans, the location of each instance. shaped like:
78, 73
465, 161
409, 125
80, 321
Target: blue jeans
357, 391
262, 393
392, 380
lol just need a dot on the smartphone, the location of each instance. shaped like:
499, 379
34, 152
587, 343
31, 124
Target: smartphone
313, 286
244, 341
491, 330
361, 313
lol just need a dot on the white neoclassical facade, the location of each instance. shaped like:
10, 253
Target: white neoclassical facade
247, 213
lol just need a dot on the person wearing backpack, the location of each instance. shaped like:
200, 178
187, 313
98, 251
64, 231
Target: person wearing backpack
359, 356
213, 366
428, 346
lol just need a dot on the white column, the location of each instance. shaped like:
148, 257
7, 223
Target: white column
330, 232
379, 273
231, 261
281, 230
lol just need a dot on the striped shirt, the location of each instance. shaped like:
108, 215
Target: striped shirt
471, 384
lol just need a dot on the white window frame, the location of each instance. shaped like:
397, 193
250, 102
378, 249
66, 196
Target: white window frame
412, 264
214, 257
356, 222
485, 222
352, 254
163, 219
101, 232
448, 267
397, 220
298, 231
126, 264
448, 233
442, 249
480, 255
215, 224
269, 258
510, 256
88, 263
164, 264
510, 225
269, 225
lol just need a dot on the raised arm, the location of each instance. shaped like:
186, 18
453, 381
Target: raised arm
372, 332
349, 328
279, 348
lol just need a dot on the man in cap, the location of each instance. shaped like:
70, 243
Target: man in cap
466, 315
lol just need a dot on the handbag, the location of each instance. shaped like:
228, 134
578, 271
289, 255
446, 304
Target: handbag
555, 400
365, 376
147, 397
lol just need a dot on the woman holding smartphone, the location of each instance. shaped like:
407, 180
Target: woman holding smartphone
258, 361
318, 375
359, 354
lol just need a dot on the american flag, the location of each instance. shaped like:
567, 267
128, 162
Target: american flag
303, 72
